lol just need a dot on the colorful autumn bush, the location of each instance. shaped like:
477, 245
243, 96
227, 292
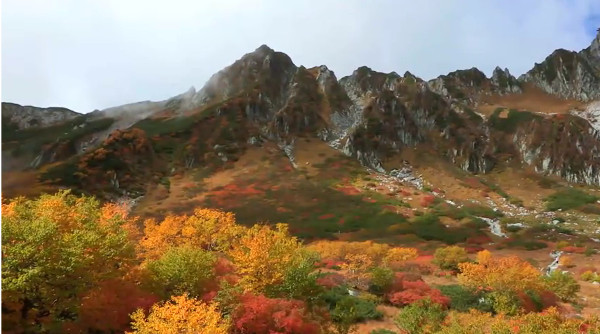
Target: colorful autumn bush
259, 314
449, 257
413, 291
107, 307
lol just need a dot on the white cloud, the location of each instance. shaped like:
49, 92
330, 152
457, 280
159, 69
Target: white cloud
96, 54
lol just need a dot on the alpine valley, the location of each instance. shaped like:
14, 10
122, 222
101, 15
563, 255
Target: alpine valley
503, 162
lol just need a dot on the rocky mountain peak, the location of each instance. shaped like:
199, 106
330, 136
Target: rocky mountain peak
23, 117
569, 74
505, 82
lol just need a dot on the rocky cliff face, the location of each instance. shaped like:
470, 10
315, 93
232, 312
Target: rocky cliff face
24, 117
569, 74
368, 115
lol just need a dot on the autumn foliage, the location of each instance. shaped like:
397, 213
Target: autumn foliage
504, 274
180, 315
259, 314
73, 265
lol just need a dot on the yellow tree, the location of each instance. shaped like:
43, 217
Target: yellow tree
505, 277
263, 255
505, 273
397, 256
358, 267
180, 315
54, 249
207, 229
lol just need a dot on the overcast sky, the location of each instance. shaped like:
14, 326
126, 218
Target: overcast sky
95, 54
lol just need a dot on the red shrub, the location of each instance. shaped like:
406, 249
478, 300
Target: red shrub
107, 307
259, 314
427, 200
416, 290
404, 292
331, 280
329, 263
526, 302
223, 267
548, 299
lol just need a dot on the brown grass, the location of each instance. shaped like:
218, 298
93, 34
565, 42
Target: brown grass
533, 99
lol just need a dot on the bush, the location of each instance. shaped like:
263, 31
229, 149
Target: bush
182, 270
355, 310
414, 291
562, 284
568, 199
381, 280
258, 314
429, 227
449, 257
421, 317
382, 331
463, 299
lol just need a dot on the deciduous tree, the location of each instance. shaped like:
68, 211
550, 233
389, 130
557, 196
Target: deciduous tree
54, 249
208, 229
180, 315
449, 257
263, 255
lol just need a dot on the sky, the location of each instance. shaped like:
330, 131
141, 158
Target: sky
89, 54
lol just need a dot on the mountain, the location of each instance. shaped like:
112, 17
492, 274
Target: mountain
569, 74
478, 124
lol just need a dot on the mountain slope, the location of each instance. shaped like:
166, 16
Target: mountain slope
374, 117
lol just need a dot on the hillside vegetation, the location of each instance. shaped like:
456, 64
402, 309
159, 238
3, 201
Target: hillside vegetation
71, 264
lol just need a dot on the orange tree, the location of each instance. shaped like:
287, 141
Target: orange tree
54, 249
505, 277
180, 315
207, 229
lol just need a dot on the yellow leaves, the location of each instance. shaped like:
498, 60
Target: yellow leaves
549, 322
8, 209
357, 266
566, 261
483, 257
338, 250
180, 315
207, 229
399, 255
262, 256
506, 274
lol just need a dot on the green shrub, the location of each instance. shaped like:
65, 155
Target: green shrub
463, 299
429, 227
527, 244
382, 331
562, 284
181, 270
381, 279
419, 316
449, 257
568, 199
513, 228
358, 309
512, 121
